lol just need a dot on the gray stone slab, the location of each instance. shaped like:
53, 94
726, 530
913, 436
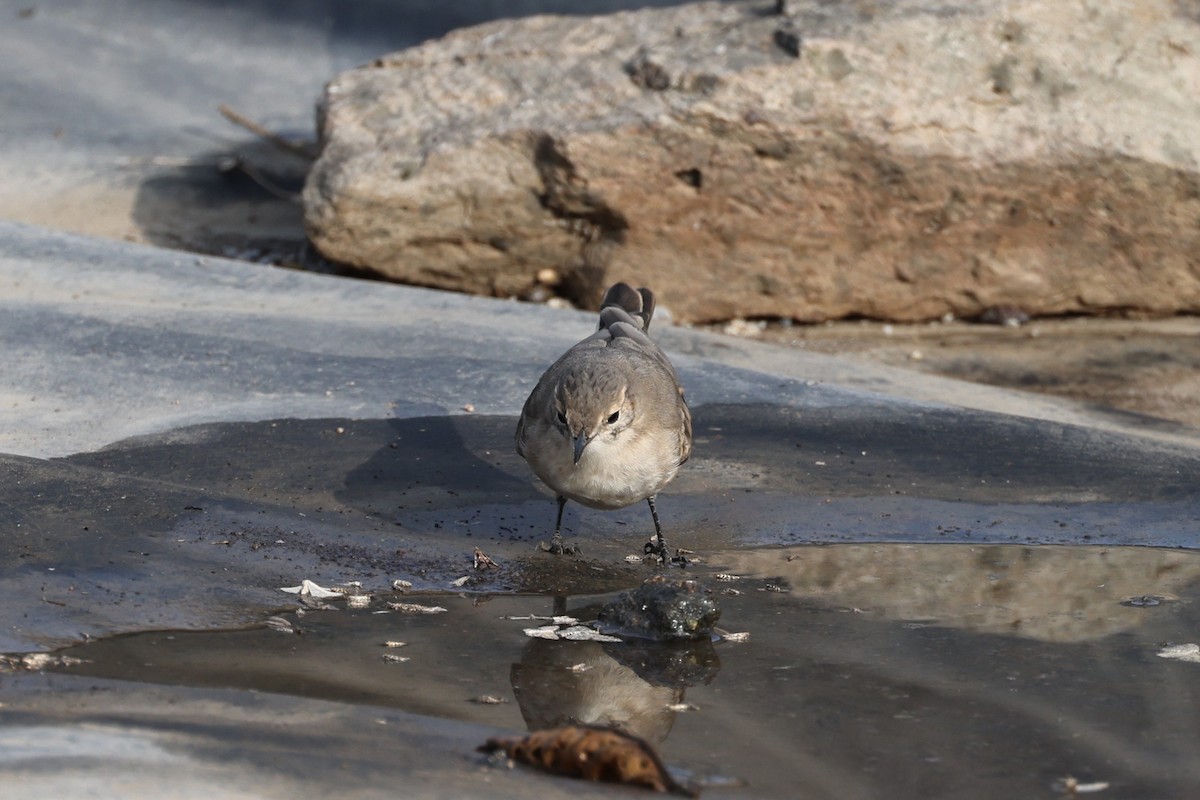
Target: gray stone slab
136, 340
181, 436
187, 435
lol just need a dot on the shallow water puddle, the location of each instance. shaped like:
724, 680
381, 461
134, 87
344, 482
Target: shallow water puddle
900, 671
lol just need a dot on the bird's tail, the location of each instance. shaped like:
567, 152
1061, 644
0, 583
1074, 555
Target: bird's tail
635, 303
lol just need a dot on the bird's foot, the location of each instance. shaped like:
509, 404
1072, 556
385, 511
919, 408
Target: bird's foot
657, 552
559, 548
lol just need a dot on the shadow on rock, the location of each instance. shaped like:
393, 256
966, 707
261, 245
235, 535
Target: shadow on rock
429, 464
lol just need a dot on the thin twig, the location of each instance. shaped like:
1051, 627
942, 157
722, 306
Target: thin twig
302, 149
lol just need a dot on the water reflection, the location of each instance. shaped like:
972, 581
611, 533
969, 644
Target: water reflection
1054, 594
899, 671
636, 686
563, 683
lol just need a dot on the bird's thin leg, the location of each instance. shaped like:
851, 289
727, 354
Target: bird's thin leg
662, 543
658, 546
556, 545
557, 540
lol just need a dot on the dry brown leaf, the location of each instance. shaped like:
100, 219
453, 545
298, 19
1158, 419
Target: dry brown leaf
593, 753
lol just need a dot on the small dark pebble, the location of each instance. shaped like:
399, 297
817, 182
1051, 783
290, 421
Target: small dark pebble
646, 74
1013, 316
788, 41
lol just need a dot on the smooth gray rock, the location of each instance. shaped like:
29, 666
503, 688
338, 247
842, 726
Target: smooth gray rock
106, 341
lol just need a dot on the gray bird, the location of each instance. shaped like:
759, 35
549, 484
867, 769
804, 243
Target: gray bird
607, 425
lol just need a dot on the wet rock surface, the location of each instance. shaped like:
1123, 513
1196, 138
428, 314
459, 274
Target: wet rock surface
249, 505
937, 666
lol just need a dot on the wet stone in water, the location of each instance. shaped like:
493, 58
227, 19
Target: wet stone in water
663, 609
1144, 601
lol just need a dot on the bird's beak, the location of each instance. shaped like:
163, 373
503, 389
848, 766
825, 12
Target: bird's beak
581, 441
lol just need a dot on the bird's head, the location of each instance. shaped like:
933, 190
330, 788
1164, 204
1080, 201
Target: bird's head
592, 408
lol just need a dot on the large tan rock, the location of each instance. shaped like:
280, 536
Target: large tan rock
914, 159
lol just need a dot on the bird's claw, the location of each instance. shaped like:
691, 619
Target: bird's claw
657, 550
558, 548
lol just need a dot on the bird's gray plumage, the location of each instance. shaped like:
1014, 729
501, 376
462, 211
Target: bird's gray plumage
607, 424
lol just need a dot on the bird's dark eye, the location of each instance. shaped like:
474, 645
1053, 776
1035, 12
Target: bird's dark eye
612, 418
562, 418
